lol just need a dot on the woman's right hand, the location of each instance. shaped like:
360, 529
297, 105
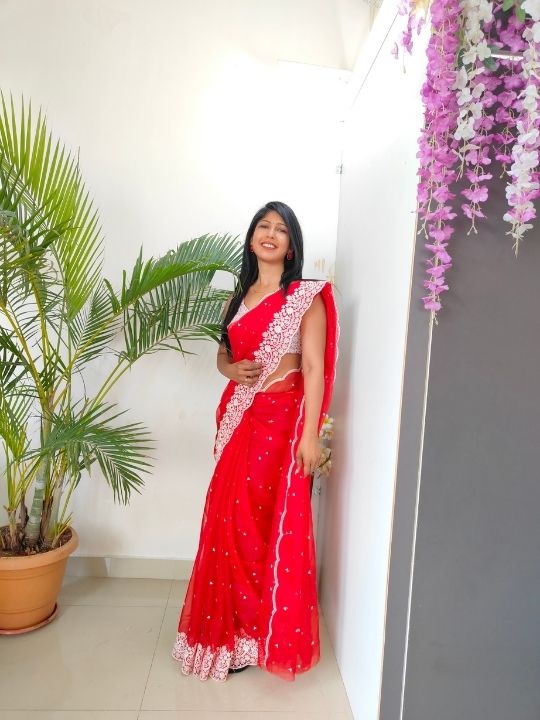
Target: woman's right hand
245, 372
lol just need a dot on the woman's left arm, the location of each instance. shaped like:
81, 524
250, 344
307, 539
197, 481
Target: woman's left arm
313, 335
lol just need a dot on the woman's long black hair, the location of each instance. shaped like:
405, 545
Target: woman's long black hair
250, 270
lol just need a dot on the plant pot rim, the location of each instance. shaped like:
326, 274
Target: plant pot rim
40, 559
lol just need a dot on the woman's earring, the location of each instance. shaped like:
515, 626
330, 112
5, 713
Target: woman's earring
251, 247
289, 255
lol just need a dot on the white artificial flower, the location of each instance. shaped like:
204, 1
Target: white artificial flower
525, 154
532, 8
469, 57
528, 160
465, 129
464, 96
484, 51
529, 138
469, 96
530, 103
476, 111
461, 79
478, 90
485, 11
510, 190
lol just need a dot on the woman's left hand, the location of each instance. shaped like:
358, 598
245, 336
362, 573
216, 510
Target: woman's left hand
308, 454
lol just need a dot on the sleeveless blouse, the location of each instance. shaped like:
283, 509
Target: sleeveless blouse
295, 344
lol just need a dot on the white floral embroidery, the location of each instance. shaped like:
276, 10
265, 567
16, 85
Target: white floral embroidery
276, 339
206, 663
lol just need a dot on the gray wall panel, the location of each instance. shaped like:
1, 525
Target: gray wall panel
474, 641
410, 437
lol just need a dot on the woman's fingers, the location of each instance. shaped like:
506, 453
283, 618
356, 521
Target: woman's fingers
248, 371
307, 464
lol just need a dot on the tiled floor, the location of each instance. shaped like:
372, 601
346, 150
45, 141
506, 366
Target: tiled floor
107, 656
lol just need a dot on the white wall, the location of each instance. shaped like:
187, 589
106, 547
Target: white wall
186, 124
373, 267
354, 21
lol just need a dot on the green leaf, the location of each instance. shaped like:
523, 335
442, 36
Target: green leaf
520, 13
204, 256
170, 300
54, 181
95, 326
14, 416
507, 4
91, 435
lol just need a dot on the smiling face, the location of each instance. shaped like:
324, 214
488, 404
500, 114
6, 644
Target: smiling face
270, 239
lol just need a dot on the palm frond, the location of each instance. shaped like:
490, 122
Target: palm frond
27, 277
15, 406
182, 307
17, 396
92, 436
13, 363
172, 316
203, 256
94, 327
53, 178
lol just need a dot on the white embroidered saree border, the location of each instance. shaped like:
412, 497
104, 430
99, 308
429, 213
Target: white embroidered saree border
202, 661
276, 340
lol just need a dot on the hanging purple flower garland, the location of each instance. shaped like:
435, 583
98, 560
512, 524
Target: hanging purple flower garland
437, 146
481, 103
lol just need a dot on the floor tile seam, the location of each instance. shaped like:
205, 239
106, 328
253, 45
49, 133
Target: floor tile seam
171, 582
292, 713
169, 596
289, 713
68, 710
152, 661
110, 605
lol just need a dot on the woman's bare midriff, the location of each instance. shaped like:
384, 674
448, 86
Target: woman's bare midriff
289, 365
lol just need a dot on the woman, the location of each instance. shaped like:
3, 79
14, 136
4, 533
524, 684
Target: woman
252, 596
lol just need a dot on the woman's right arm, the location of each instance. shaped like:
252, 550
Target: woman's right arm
244, 372
223, 361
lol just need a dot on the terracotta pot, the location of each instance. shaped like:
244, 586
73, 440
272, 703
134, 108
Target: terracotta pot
29, 586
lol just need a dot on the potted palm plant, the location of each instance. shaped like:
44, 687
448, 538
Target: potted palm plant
58, 316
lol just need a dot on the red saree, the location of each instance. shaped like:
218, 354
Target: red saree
252, 596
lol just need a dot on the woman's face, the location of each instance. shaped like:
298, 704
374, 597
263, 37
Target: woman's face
270, 239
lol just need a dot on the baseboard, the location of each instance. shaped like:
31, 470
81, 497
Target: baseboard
129, 567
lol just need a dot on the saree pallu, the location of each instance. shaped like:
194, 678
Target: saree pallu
252, 595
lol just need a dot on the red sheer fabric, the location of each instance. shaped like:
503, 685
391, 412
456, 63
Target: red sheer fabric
252, 596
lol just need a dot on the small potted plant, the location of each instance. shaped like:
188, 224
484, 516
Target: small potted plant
58, 315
